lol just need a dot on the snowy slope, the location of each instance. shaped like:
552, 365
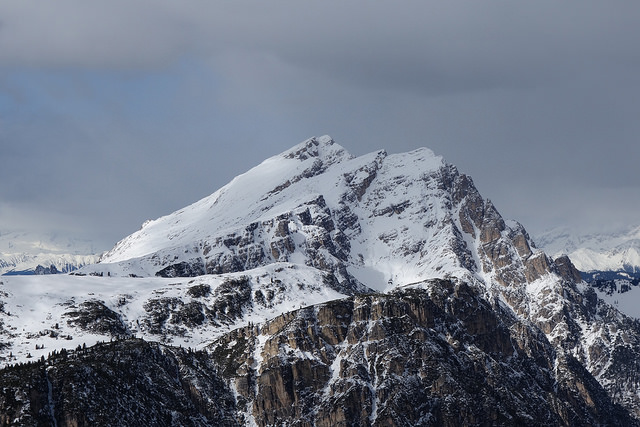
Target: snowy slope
65, 311
597, 251
239, 202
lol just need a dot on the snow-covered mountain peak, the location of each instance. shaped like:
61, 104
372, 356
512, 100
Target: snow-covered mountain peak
323, 148
377, 221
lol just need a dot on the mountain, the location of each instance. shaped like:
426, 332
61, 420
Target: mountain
384, 220
322, 288
609, 262
30, 253
616, 252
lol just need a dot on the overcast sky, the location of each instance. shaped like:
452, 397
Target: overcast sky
114, 112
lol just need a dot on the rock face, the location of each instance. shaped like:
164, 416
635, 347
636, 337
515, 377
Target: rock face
439, 355
435, 356
441, 312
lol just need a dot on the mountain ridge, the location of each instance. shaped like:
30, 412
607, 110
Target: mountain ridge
342, 197
314, 225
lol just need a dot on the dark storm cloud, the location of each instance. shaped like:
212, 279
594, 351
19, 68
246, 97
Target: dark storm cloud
114, 112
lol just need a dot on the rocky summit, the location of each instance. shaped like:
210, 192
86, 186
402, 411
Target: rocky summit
320, 288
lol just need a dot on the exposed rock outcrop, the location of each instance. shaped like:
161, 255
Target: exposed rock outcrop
436, 356
440, 356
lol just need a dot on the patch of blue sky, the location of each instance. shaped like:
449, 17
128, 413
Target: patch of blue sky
147, 95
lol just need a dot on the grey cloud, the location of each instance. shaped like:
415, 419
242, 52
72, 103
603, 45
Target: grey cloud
538, 101
445, 35
430, 47
73, 33
441, 47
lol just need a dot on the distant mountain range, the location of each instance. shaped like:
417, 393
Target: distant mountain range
609, 262
617, 251
31, 253
320, 288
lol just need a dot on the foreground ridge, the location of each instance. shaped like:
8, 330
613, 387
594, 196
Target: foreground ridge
398, 359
